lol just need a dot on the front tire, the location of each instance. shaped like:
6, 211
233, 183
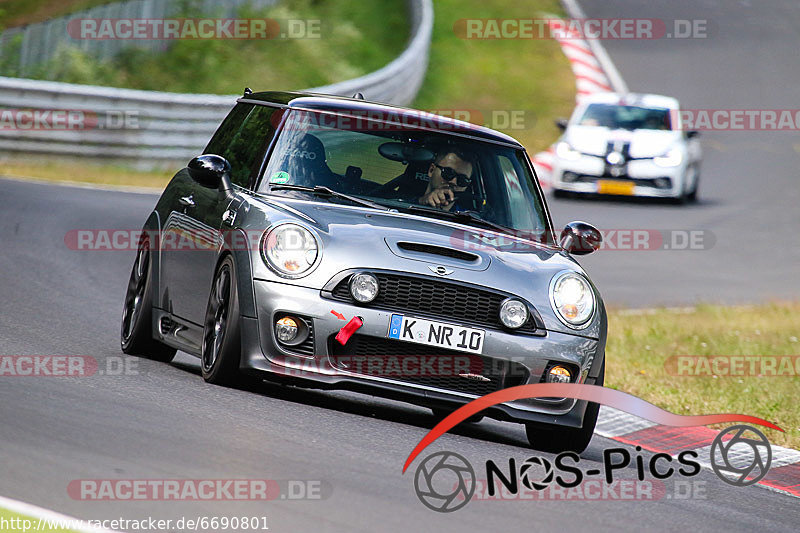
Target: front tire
222, 345
136, 332
556, 439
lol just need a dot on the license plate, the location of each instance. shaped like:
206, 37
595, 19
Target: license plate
439, 334
615, 187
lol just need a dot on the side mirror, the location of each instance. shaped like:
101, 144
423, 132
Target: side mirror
211, 171
580, 238
561, 123
692, 133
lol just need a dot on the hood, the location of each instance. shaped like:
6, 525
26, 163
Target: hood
594, 140
355, 237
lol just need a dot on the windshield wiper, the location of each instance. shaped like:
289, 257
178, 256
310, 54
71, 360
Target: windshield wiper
319, 190
461, 216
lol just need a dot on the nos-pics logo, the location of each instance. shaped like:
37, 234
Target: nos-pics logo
445, 481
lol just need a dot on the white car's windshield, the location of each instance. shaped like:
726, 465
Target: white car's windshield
626, 117
423, 172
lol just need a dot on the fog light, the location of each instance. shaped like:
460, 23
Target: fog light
559, 374
363, 287
286, 329
513, 313
663, 183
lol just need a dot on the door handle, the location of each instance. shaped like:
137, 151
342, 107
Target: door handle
187, 201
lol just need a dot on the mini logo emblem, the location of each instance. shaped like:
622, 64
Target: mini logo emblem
440, 270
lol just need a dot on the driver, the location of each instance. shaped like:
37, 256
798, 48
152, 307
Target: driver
449, 175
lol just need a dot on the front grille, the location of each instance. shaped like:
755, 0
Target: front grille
501, 374
436, 298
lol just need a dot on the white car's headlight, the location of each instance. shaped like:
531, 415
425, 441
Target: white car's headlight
290, 250
673, 158
565, 151
572, 299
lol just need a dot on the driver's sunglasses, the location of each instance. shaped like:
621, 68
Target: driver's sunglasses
449, 174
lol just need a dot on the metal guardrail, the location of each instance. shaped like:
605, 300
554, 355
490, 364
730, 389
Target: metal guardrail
159, 129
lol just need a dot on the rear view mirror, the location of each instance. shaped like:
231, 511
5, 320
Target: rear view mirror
405, 153
580, 238
212, 171
692, 134
561, 123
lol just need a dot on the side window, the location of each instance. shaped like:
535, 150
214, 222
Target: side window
242, 139
520, 213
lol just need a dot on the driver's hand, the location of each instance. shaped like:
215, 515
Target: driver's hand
441, 197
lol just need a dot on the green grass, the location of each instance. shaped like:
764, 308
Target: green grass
84, 172
9, 516
639, 346
355, 38
532, 76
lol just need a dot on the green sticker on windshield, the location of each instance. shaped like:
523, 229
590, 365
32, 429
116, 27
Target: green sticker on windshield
280, 177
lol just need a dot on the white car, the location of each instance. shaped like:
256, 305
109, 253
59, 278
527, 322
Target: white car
627, 144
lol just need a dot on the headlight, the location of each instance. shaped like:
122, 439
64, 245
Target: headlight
565, 151
513, 313
572, 299
363, 287
290, 250
672, 158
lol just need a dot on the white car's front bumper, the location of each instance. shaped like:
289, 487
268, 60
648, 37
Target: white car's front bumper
645, 178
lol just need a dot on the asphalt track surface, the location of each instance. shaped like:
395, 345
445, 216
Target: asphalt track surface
164, 422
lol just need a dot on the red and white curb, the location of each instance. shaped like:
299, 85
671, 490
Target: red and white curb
783, 475
590, 78
593, 70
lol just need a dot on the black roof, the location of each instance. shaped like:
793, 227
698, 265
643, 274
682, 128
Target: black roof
363, 109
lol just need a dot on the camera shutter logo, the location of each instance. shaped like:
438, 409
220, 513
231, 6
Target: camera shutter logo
525, 473
743, 458
444, 482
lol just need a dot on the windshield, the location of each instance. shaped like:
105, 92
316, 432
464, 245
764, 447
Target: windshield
626, 117
426, 173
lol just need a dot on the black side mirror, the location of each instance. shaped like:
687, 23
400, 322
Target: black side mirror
580, 238
561, 123
212, 171
692, 133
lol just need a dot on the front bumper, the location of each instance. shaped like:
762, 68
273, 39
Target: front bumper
261, 353
648, 179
